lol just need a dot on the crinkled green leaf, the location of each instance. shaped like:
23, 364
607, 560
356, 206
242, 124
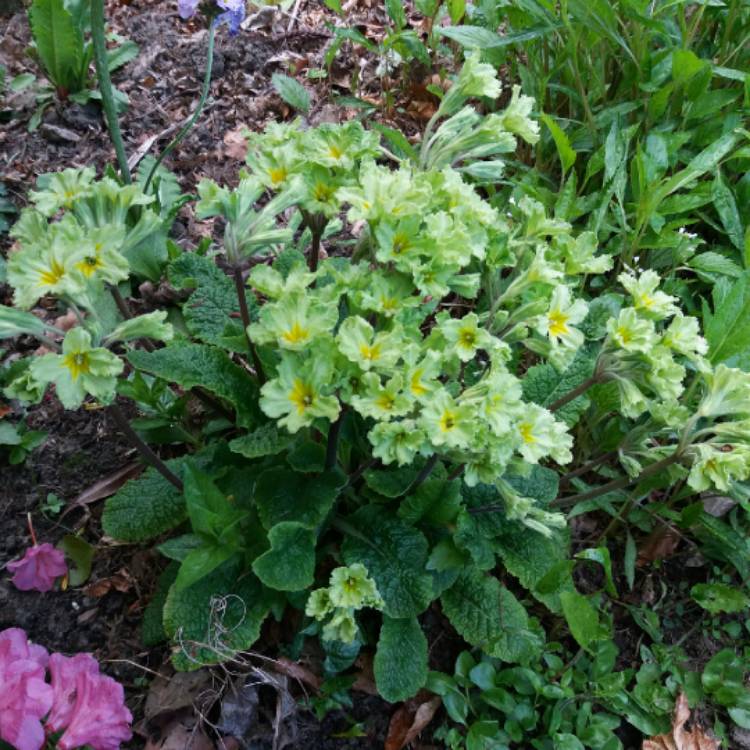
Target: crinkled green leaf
266, 440
727, 328
292, 92
400, 662
435, 501
718, 597
487, 615
145, 507
395, 555
283, 495
544, 385
530, 556
191, 365
390, 482
212, 311
216, 617
290, 563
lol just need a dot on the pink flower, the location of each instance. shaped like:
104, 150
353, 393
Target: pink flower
38, 568
99, 717
64, 673
24, 695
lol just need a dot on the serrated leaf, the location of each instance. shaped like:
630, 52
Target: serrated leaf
400, 663
267, 440
292, 92
283, 495
191, 365
211, 313
529, 557
59, 43
727, 328
290, 563
145, 507
564, 150
714, 263
395, 555
216, 617
544, 385
486, 614
582, 618
726, 206
540, 484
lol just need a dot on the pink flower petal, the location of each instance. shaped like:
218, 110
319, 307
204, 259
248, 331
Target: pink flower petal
38, 568
64, 673
25, 698
99, 717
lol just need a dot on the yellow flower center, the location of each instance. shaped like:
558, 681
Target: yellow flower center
645, 300
301, 395
385, 401
296, 334
400, 243
51, 275
626, 336
370, 353
277, 174
388, 303
77, 363
322, 192
558, 323
526, 433
335, 152
468, 338
447, 421
417, 388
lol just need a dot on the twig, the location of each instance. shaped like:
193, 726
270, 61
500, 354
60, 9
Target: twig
293, 19
142, 447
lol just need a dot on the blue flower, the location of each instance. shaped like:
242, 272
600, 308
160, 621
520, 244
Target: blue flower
234, 14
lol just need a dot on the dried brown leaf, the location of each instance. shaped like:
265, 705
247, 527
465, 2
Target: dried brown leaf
410, 719
109, 485
660, 544
297, 671
235, 143
680, 738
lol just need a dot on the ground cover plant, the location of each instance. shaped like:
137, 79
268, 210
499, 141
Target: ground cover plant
472, 382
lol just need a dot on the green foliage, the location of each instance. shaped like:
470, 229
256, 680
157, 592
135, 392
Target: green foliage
400, 663
400, 428
18, 441
292, 92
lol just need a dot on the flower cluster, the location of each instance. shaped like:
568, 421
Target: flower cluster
645, 356
319, 161
87, 707
96, 227
349, 590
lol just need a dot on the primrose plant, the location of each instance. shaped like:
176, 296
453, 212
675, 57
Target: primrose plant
383, 423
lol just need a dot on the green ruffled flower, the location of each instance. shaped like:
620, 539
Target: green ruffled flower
542, 436
516, 120
359, 343
631, 333
447, 422
293, 322
62, 189
718, 466
382, 401
647, 300
34, 273
300, 392
353, 587
80, 370
464, 336
397, 442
